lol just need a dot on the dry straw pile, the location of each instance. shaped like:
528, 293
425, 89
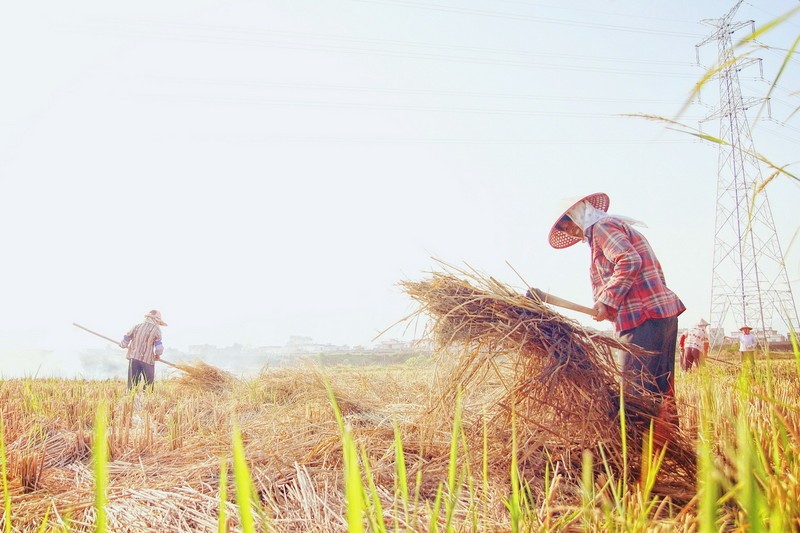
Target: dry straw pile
516, 356
202, 376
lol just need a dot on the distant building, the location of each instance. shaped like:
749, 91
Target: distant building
394, 345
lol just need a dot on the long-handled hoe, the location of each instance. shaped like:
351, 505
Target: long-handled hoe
118, 343
199, 374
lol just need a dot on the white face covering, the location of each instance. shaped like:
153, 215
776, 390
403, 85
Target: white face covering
584, 215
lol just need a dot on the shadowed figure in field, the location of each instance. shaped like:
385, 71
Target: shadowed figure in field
695, 346
144, 346
630, 291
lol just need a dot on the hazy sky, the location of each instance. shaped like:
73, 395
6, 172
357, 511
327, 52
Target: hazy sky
261, 169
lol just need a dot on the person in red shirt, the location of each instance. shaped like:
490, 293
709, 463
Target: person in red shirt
629, 290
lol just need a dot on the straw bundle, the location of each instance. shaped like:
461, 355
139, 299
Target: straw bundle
559, 380
202, 376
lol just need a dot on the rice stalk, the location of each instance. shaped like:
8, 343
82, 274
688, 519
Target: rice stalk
4, 473
520, 358
202, 376
244, 483
353, 488
222, 514
100, 468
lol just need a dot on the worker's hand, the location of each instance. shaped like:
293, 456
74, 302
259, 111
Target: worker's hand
122, 345
529, 294
603, 312
158, 358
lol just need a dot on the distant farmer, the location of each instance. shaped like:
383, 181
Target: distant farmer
747, 344
695, 346
629, 290
143, 343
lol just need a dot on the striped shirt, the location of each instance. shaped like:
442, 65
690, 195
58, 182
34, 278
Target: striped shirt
143, 342
627, 277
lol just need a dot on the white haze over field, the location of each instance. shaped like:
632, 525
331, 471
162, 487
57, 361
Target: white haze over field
260, 170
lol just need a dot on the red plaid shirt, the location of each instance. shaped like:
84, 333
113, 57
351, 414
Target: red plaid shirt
626, 275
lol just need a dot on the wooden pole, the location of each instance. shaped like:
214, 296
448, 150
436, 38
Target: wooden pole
561, 302
115, 341
95, 333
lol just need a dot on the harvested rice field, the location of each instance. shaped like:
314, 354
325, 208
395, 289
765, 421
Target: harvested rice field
515, 426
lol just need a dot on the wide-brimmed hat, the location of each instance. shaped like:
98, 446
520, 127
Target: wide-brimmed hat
702, 323
559, 239
744, 328
157, 316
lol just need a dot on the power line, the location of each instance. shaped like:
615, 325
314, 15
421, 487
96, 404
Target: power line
260, 84
528, 18
266, 37
279, 44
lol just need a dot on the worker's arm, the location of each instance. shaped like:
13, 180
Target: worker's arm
612, 239
158, 349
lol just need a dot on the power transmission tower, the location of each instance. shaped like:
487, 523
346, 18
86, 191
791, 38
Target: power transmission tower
749, 279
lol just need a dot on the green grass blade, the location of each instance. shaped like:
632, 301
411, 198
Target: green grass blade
4, 472
452, 467
222, 515
376, 515
100, 467
243, 482
750, 495
401, 474
587, 488
433, 525
707, 486
514, 507
353, 488
45, 519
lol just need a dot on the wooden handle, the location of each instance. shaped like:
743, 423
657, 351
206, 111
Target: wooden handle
561, 302
95, 333
115, 342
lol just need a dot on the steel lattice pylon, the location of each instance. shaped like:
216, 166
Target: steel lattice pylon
749, 278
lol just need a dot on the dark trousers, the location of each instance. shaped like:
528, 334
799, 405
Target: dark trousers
692, 357
654, 373
138, 371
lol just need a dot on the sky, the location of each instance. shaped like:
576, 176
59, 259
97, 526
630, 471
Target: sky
262, 169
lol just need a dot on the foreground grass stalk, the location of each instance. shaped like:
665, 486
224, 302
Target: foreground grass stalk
4, 472
400, 473
587, 489
244, 483
100, 467
222, 514
376, 516
452, 467
750, 496
353, 488
485, 470
513, 504
707, 486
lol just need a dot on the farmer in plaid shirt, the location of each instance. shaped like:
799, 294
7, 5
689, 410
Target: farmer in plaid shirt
629, 290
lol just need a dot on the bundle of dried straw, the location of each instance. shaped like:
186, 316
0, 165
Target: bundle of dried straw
559, 380
202, 376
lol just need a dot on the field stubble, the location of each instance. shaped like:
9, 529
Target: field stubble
165, 449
